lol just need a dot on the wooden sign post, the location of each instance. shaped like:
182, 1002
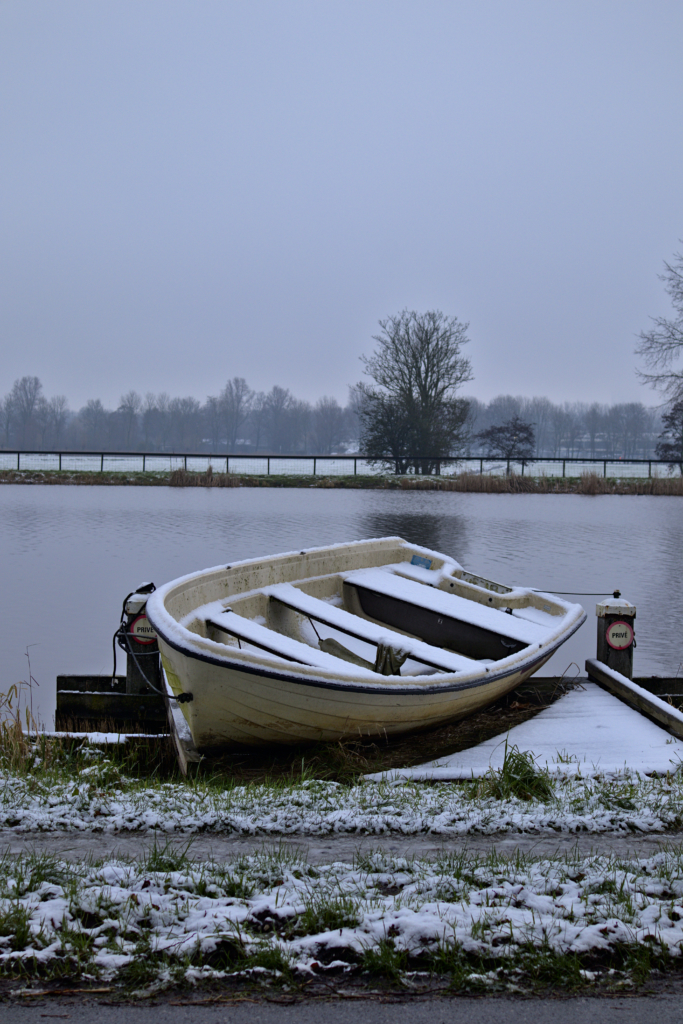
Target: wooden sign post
616, 634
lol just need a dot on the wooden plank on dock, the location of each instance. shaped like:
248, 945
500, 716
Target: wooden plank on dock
92, 684
636, 696
146, 709
188, 755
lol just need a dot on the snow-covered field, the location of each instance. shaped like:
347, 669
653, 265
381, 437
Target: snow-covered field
480, 919
273, 915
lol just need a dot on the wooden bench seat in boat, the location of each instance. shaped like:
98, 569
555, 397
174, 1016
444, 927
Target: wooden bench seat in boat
439, 618
275, 643
370, 632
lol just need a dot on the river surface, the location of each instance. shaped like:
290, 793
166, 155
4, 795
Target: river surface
70, 555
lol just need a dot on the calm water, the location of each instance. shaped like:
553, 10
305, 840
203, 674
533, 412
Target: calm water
71, 554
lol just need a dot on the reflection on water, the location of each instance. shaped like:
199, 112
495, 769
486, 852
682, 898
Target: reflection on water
430, 528
71, 554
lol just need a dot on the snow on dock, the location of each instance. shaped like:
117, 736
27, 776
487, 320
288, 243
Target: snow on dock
587, 731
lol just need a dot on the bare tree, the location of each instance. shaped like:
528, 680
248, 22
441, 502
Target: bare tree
594, 418
635, 420
328, 425
539, 412
573, 427
129, 407
558, 428
214, 421
503, 408
286, 420
511, 440
615, 429
352, 414
185, 419
278, 402
25, 395
662, 345
163, 420
235, 400
149, 410
94, 418
58, 415
7, 417
417, 370
258, 418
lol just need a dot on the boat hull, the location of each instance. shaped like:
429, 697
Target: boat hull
237, 699
239, 710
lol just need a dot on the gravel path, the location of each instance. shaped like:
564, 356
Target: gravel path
76, 846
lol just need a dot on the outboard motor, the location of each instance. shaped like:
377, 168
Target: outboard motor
137, 638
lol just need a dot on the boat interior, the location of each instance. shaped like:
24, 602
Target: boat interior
407, 618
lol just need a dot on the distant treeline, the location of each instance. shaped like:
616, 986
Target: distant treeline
628, 430
241, 420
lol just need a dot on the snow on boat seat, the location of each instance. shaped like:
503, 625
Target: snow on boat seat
439, 618
361, 629
281, 646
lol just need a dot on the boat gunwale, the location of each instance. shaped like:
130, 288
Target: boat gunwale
193, 647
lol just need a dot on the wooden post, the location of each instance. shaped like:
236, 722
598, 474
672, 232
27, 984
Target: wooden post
616, 634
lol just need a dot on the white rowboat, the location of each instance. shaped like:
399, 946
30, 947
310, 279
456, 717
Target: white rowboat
366, 639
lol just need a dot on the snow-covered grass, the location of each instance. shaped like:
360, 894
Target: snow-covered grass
475, 922
90, 793
489, 921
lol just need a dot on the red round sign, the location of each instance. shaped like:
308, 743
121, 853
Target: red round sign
141, 630
619, 635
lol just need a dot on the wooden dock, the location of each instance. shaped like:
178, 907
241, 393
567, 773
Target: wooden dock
100, 704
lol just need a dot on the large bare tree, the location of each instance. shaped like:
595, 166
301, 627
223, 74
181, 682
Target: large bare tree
412, 408
662, 345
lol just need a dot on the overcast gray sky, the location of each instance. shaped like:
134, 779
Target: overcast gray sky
192, 189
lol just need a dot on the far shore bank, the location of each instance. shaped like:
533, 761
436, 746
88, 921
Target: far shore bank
587, 483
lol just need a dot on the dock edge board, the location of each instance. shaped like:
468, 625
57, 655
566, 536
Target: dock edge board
636, 696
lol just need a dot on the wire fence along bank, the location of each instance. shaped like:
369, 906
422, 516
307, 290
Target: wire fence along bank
324, 465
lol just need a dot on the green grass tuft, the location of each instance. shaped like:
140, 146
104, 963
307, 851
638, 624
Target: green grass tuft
519, 776
385, 960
